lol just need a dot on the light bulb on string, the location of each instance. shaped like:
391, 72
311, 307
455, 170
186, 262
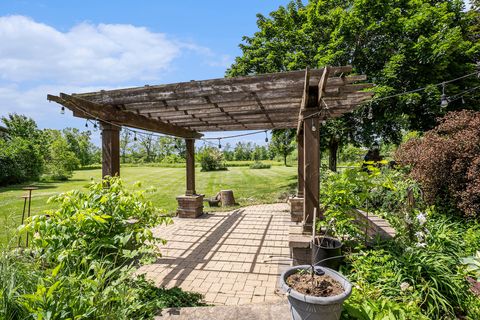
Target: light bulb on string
266, 136
323, 121
62, 110
95, 126
86, 124
135, 136
219, 144
463, 100
370, 113
314, 128
443, 98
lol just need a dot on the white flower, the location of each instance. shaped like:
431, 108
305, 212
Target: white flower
408, 220
421, 219
404, 286
421, 244
420, 235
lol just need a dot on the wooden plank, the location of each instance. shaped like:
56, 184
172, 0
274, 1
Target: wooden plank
322, 84
311, 128
111, 114
194, 89
303, 104
300, 166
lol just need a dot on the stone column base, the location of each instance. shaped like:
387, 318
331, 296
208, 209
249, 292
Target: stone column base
299, 243
296, 209
190, 206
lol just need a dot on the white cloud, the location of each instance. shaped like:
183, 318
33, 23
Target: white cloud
36, 59
86, 54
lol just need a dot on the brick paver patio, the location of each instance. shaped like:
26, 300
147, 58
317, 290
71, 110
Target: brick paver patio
230, 257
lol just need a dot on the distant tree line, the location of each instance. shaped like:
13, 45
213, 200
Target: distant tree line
28, 153
148, 148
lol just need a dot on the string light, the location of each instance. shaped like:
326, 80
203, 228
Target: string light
314, 128
86, 124
443, 99
444, 102
370, 113
95, 126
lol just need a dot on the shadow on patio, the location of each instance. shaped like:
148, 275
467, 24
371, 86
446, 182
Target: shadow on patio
230, 257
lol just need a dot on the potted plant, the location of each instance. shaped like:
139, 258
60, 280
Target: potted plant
315, 292
326, 251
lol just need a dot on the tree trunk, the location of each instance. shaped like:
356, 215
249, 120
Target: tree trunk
285, 160
332, 159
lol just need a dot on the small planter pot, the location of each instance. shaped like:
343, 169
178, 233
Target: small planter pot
305, 307
330, 248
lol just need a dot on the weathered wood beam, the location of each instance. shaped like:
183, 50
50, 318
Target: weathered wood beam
322, 84
88, 109
213, 86
303, 104
301, 165
311, 128
110, 149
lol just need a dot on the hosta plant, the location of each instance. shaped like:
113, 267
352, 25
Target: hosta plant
473, 265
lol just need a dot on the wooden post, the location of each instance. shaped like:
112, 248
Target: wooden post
190, 167
110, 149
311, 127
301, 162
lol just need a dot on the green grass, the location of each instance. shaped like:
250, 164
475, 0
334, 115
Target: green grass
249, 187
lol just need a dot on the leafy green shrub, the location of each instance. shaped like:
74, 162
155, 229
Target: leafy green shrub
20, 161
412, 275
104, 222
446, 161
260, 165
351, 153
363, 307
211, 159
81, 264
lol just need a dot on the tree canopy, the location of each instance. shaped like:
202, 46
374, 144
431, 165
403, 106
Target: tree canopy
400, 45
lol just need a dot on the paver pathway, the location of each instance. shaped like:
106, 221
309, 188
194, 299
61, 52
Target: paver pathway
231, 257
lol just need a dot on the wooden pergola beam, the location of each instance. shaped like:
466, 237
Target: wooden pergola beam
110, 150
89, 110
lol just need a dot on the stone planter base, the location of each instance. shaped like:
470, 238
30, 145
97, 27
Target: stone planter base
190, 206
296, 209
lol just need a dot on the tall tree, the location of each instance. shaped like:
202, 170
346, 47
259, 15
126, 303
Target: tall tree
125, 140
283, 142
400, 45
79, 143
147, 142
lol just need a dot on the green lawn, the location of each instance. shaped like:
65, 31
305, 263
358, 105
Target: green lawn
249, 186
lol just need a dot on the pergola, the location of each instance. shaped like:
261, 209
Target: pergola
295, 99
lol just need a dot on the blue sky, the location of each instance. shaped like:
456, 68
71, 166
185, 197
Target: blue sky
78, 46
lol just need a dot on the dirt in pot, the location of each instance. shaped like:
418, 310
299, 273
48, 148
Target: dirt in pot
319, 286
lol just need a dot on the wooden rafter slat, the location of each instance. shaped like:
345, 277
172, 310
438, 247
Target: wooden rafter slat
87, 109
